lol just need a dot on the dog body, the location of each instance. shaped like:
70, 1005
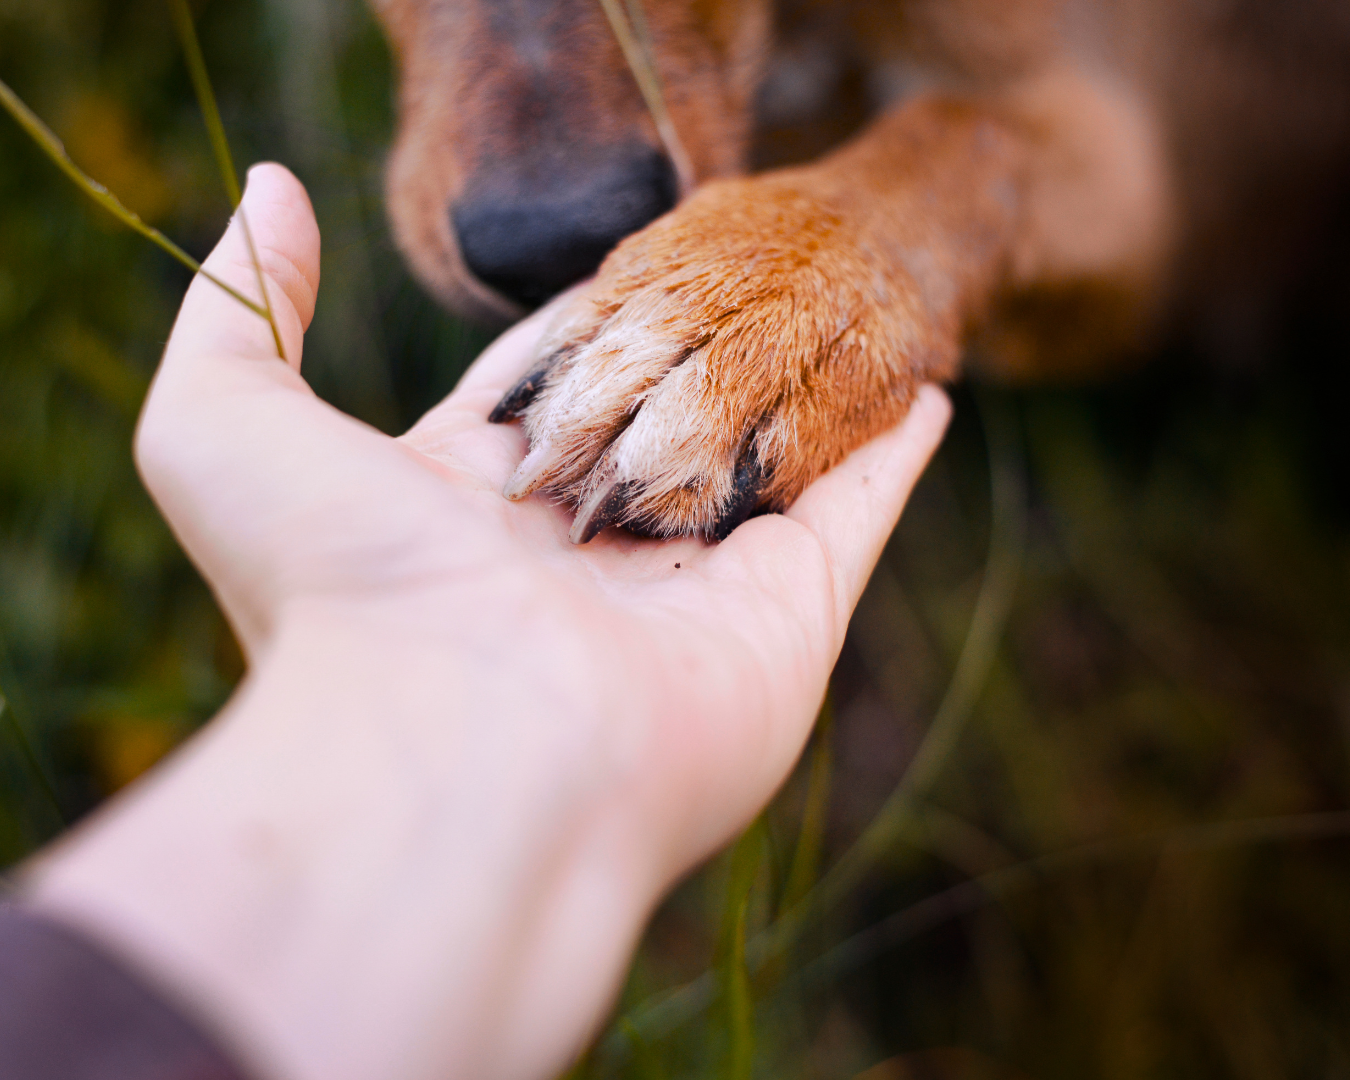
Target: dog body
1037, 183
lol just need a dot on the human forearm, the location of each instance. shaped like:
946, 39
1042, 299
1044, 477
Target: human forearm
356, 845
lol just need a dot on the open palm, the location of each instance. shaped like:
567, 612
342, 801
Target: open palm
708, 660
448, 698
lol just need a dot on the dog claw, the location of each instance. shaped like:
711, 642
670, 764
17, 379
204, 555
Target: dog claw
530, 473
603, 508
747, 487
518, 398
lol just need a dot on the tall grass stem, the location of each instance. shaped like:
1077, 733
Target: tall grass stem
634, 36
804, 870
30, 757
220, 146
55, 149
206, 98
738, 1020
969, 895
1007, 542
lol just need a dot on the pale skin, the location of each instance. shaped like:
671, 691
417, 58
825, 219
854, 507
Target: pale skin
468, 757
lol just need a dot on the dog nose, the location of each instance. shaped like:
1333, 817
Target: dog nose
531, 240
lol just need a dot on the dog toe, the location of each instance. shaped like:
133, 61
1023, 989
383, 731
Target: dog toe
681, 462
721, 361
579, 402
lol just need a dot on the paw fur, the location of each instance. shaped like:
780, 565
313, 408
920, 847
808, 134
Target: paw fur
724, 358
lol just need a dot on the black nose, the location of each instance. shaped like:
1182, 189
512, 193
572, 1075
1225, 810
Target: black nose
531, 239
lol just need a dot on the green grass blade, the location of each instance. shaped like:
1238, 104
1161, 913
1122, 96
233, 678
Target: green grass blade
206, 97
635, 41
220, 145
55, 149
738, 1013
740, 1006
1007, 541
805, 867
30, 757
262, 284
973, 893
647, 1061
1002, 569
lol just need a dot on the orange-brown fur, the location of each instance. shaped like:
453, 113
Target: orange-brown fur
1036, 182
459, 83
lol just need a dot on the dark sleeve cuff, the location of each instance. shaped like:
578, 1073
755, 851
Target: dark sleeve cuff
70, 1011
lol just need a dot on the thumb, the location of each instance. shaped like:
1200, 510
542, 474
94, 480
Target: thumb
219, 345
221, 354
228, 431
854, 507
276, 215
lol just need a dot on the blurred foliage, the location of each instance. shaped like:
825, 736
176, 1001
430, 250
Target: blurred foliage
1132, 862
111, 649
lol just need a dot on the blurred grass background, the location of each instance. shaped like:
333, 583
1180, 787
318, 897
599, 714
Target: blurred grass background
1176, 650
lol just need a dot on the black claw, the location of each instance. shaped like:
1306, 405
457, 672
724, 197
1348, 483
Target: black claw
609, 510
746, 489
518, 398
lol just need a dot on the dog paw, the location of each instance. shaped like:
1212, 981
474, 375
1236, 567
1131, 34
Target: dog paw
723, 358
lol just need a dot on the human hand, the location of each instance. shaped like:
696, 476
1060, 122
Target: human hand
469, 756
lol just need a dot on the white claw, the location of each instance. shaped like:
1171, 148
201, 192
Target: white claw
531, 473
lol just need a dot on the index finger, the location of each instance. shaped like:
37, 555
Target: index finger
853, 508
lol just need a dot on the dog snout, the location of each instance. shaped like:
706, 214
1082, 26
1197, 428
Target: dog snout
530, 239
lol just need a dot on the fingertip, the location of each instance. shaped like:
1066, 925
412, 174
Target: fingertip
854, 507
285, 233
935, 411
275, 223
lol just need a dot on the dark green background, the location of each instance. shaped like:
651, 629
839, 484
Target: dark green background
1176, 652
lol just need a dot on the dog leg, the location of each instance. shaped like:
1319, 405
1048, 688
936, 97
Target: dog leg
738, 347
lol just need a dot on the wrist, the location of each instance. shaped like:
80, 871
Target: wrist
371, 829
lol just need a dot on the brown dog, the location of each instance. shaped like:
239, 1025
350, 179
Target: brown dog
1042, 179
